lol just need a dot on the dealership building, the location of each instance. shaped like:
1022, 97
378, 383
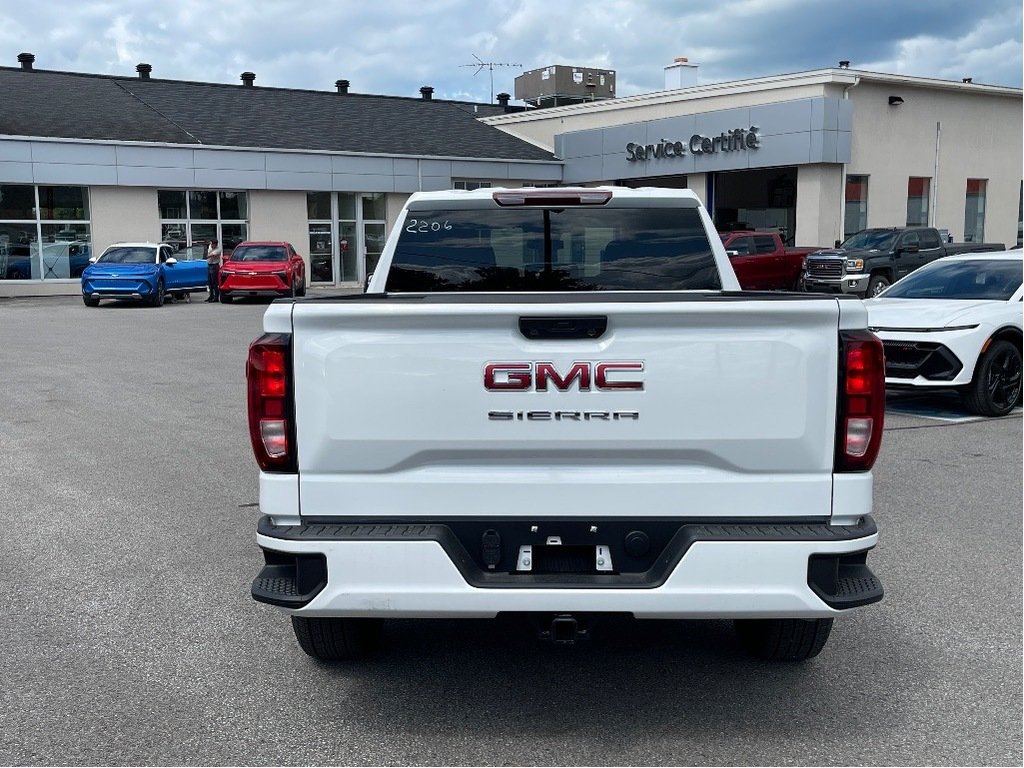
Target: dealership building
88, 160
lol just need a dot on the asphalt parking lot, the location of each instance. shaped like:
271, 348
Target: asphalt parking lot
128, 492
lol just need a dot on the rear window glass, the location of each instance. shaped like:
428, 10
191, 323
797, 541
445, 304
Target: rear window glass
553, 249
259, 253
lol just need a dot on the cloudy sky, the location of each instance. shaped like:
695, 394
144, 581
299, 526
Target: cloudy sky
395, 46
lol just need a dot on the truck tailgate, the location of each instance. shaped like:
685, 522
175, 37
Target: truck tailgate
735, 418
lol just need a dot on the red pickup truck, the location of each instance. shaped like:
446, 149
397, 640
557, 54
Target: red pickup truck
762, 262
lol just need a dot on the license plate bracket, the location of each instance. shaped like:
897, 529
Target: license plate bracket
565, 559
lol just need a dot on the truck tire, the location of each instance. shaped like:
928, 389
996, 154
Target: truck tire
783, 639
996, 387
877, 284
336, 638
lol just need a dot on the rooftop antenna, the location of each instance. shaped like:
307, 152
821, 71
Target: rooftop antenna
490, 65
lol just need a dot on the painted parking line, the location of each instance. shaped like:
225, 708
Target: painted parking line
938, 407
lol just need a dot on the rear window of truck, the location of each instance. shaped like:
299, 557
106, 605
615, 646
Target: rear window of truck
553, 249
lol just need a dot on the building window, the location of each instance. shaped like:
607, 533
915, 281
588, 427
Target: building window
918, 188
194, 217
856, 216
470, 184
45, 232
344, 227
974, 211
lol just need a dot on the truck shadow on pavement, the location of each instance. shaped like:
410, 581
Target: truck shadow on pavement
633, 680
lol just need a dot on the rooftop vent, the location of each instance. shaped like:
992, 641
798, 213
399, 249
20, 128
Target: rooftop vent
680, 74
26, 60
143, 70
844, 64
968, 79
341, 85
427, 93
503, 100
248, 78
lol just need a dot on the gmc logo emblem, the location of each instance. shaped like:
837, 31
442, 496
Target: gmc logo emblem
585, 376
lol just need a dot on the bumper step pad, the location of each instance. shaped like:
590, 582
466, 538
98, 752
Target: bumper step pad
290, 580
843, 581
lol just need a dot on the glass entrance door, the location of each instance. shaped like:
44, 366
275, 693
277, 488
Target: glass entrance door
374, 234
321, 253
372, 220
347, 231
348, 250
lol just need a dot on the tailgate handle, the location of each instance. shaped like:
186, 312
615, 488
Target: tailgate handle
541, 328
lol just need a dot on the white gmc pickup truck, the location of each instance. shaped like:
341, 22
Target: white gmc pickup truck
557, 402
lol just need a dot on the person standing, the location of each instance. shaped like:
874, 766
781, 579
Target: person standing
213, 259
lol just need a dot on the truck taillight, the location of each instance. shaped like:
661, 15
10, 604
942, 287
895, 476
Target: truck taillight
271, 408
860, 416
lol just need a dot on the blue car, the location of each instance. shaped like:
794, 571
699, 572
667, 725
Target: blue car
144, 272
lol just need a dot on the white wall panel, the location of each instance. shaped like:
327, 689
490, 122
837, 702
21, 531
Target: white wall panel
306, 182
15, 173
140, 176
20, 151
479, 170
123, 215
348, 164
58, 173
352, 182
73, 153
207, 178
154, 157
406, 166
277, 215
296, 162
229, 160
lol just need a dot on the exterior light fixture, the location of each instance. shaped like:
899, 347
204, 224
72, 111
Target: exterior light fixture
895, 101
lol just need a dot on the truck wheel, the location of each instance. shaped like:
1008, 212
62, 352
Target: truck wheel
996, 387
335, 638
877, 284
783, 639
90, 301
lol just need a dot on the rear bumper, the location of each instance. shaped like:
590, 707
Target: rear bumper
707, 570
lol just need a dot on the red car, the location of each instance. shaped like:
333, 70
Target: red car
262, 269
